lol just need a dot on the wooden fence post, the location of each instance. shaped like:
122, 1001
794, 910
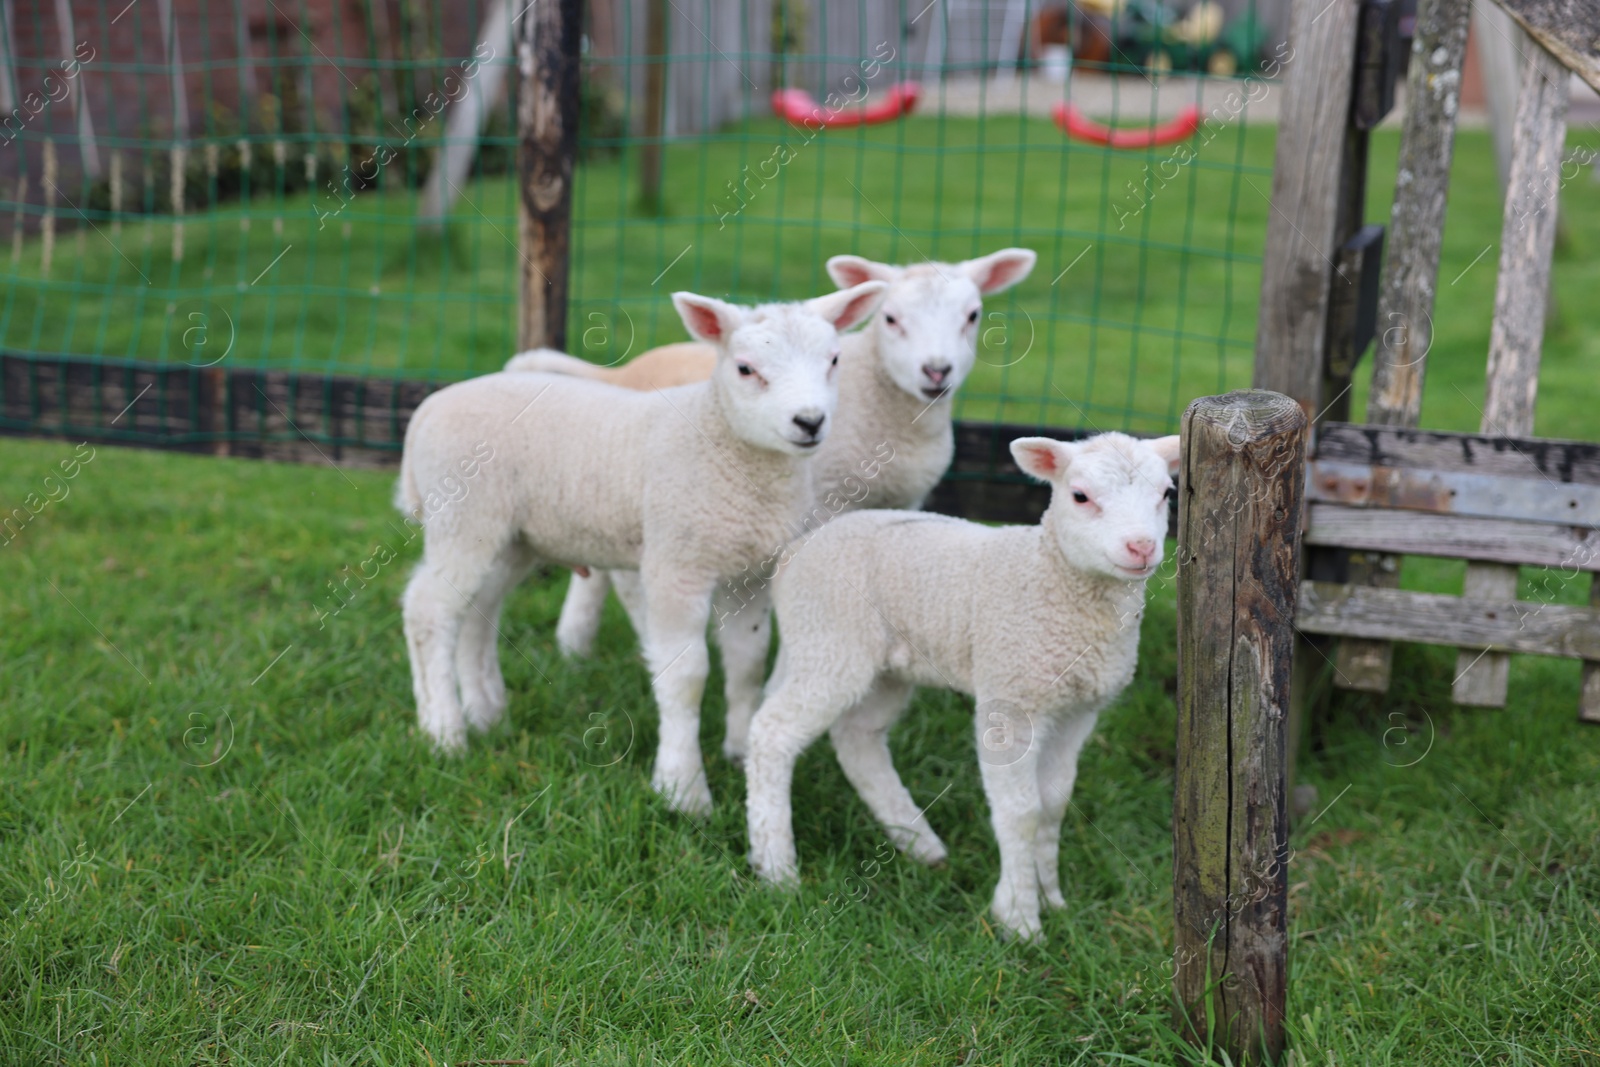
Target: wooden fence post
1240, 496
655, 105
547, 37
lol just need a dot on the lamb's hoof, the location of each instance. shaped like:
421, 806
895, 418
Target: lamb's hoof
692, 798
779, 874
734, 754
448, 742
572, 649
1022, 929
1054, 899
484, 712
1017, 915
929, 853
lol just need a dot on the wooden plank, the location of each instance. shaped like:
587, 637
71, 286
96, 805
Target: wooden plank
1574, 548
1504, 625
1527, 242
1484, 678
1377, 63
1589, 698
1498, 42
1570, 29
1526, 499
1416, 221
1557, 460
1352, 309
1410, 274
1240, 498
468, 118
1318, 197
1306, 185
1361, 665
547, 39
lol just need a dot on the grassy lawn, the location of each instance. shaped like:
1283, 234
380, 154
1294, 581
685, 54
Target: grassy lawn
222, 840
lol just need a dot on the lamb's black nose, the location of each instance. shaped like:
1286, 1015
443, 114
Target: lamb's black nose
810, 426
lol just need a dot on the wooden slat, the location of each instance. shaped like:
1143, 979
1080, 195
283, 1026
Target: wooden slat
1352, 313
1430, 618
1527, 241
1242, 457
1526, 499
1568, 28
1306, 185
1483, 679
1557, 460
1416, 221
1589, 697
1358, 664
1570, 548
1411, 272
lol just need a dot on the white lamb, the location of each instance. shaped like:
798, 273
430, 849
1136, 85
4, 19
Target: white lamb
1040, 624
892, 438
686, 485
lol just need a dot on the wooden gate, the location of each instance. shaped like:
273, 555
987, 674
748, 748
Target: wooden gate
1373, 492
1499, 498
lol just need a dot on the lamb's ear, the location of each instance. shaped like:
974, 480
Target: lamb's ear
848, 307
706, 318
1000, 270
847, 271
1041, 457
1168, 448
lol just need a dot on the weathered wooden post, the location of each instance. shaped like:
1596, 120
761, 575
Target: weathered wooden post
1240, 493
655, 104
547, 36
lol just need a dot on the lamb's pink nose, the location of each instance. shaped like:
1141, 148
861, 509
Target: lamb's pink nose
1141, 549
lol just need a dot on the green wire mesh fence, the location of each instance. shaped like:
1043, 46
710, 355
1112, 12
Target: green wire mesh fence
259, 226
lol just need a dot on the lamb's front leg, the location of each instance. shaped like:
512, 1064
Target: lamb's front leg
1058, 770
744, 633
1010, 759
675, 651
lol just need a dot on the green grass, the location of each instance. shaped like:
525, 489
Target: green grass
1132, 311
222, 840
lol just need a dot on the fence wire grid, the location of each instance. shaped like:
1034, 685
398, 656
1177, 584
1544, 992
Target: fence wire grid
302, 189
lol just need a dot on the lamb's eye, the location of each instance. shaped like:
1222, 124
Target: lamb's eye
972, 318
745, 370
1082, 498
835, 361
888, 318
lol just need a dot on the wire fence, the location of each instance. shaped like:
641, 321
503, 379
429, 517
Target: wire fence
325, 196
